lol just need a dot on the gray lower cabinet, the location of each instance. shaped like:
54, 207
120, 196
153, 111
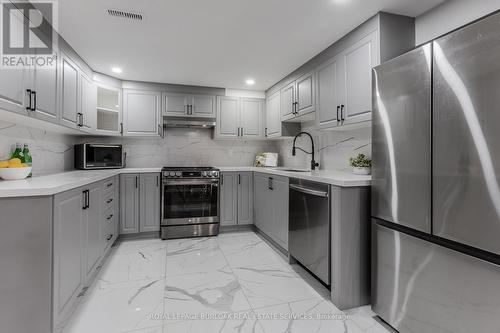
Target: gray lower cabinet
236, 198
68, 250
92, 236
245, 197
79, 229
129, 203
350, 238
271, 207
139, 202
229, 198
149, 202
25, 254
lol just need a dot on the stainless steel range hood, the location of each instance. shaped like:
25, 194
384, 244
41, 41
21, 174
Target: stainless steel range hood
188, 122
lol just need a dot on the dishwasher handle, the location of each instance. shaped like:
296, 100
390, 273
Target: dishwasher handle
309, 191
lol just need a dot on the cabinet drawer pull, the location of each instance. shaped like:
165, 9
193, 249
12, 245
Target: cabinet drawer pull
109, 201
109, 185
109, 237
109, 217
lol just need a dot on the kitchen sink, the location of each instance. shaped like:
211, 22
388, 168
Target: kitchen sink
293, 170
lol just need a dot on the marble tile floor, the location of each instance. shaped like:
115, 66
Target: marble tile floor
235, 282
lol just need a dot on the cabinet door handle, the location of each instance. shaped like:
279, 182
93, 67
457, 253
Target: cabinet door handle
265, 132
28, 92
342, 113
84, 198
242, 132
338, 109
239, 179
121, 128
136, 181
192, 108
88, 198
270, 183
33, 108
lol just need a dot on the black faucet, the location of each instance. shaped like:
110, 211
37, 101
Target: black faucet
313, 162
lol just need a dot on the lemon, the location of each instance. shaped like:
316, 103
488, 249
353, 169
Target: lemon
4, 164
15, 161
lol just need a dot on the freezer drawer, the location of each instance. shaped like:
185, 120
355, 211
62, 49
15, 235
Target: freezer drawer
401, 177
466, 141
309, 226
420, 287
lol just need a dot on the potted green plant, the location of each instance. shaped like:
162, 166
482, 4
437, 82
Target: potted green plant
361, 165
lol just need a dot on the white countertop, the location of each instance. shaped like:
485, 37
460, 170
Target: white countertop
332, 177
59, 182
56, 183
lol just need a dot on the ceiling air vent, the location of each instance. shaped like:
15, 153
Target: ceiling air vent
124, 14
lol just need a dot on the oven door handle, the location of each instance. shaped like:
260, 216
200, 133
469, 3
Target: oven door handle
190, 181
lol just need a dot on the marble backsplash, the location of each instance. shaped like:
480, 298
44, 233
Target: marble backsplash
332, 148
51, 152
188, 147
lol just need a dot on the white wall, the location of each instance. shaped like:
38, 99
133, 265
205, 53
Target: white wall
450, 15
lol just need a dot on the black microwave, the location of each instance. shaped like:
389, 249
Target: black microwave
98, 156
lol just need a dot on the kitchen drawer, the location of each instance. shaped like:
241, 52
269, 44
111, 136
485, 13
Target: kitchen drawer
109, 216
109, 186
109, 235
108, 201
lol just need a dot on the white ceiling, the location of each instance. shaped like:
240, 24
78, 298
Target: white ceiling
216, 43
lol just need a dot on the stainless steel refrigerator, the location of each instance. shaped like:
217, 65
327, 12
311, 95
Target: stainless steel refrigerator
436, 184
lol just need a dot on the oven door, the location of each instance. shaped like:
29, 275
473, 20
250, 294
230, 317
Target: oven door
190, 201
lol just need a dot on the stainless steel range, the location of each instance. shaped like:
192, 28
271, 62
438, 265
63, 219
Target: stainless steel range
190, 202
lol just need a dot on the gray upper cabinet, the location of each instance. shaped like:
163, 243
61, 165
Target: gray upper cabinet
108, 109
358, 62
344, 84
245, 197
202, 106
129, 203
186, 105
45, 86
228, 117
14, 82
88, 103
175, 104
69, 90
141, 113
149, 202
68, 253
251, 115
273, 118
298, 98
240, 118
229, 198
305, 99
328, 93
288, 102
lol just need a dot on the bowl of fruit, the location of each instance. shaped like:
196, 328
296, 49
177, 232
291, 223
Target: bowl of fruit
14, 169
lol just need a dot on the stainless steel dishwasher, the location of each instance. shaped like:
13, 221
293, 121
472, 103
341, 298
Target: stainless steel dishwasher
309, 226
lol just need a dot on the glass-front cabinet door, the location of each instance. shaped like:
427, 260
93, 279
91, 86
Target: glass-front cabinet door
109, 109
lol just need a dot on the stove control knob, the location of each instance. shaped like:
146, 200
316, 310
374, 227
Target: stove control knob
178, 173
171, 174
204, 173
215, 174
